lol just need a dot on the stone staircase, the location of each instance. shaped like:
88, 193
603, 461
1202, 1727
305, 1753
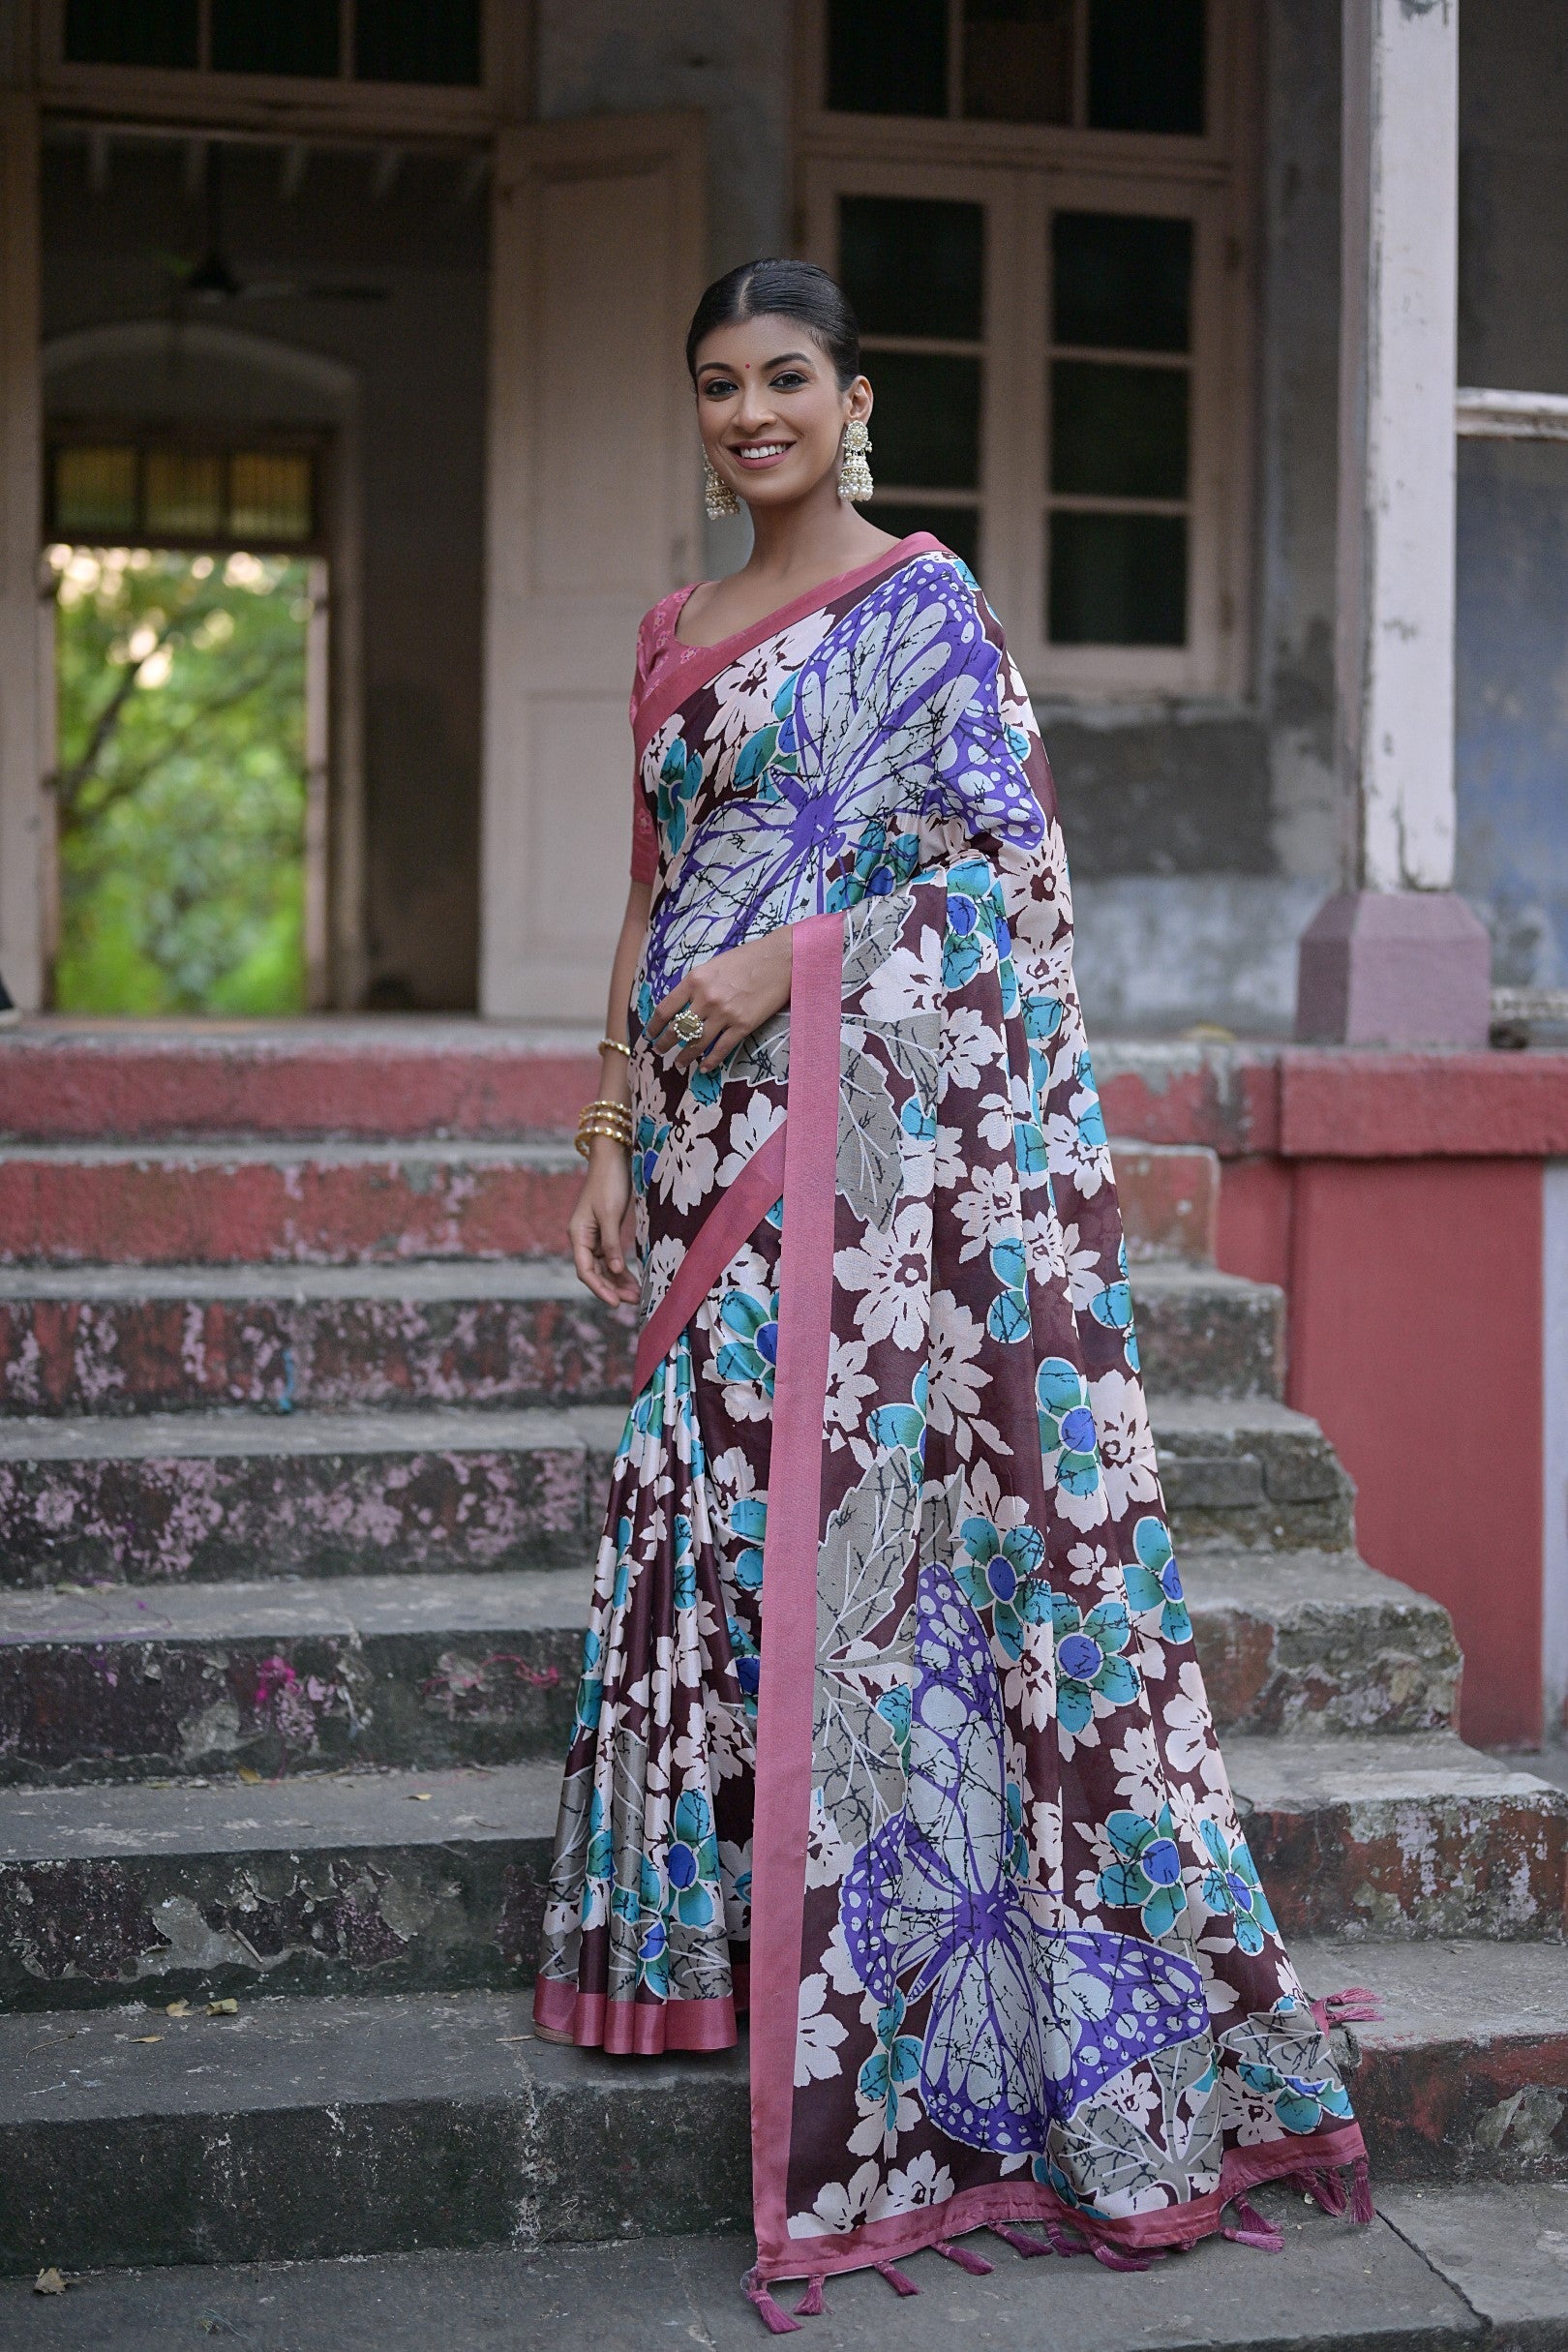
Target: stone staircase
303, 1430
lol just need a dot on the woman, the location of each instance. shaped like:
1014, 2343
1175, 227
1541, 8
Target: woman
887, 1640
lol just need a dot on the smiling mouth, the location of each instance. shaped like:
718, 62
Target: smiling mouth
761, 453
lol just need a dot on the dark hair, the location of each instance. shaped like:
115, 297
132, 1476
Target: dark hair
782, 289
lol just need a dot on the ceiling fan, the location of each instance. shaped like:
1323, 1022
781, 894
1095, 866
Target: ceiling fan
212, 280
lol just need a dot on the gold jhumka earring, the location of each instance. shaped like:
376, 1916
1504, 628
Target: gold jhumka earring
719, 501
853, 474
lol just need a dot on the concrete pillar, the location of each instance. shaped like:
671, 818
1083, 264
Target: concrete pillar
21, 805
1395, 956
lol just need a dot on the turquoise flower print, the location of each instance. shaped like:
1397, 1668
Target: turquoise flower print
642, 1907
648, 1142
755, 757
679, 775
901, 1429
893, 2065
974, 913
1088, 1660
751, 1352
1030, 1150
643, 1002
1002, 1573
884, 861
706, 1085
1018, 1848
1231, 1888
1152, 1580
685, 1563
590, 1682
916, 1121
1091, 1119
748, 1665
1067, 1424
1017, 743
1146, 1876
748, 1520
1007, 1316
1042, 1018
1299, 2101
691, 1866
623, 1564
896, 1710
600, 1858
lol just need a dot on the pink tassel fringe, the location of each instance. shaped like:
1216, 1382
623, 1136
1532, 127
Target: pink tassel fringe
810, 2303
1063, 2243
1356, 2004
1361, 2202
776, 2321
966, 2261
1324, 2186
1019, 2240
895, 2278
1115, 2261
1250, 2229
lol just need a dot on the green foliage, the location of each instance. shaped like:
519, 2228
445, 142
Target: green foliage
180, 782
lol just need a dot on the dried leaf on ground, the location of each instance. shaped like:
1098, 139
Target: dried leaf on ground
50, 2282
222, 2008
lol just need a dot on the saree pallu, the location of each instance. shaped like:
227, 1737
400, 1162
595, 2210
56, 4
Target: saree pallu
891, 1728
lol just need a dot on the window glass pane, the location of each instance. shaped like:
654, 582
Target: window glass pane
888, 56
132, 32
430, 40
1118, 432
913, 267
1146, 65
269, 495
1123, 281
957, 527
925, 428
275, 36
94, 491
184, 490
1018, 60
1117, 579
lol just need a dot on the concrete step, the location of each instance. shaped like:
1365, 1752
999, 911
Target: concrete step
1206, 1334
1170, 1200
327, 1204
212, 1495
1317, 1640
397, 1669
1420, 1836
311, 2127
205, 1496
113, 1339
1407, 2286
324, 1883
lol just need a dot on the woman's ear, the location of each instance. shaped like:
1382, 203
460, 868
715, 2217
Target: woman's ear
858, 400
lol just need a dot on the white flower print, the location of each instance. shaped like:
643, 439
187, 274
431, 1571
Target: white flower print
1085, 1166
840, 2205
1187, 1720
1031, 1686
1084, 1279
827, 1856
951, 1167
817, 2036
907, 982
989, 1210
968, 1045
1126, 1452
1139, 1775
848, 1386
749, 1131
1090, 1564
840, 1967
892, 1275
745, 690
956, 1380
1042, 1245
922, 2181
660, 1266
689, 1160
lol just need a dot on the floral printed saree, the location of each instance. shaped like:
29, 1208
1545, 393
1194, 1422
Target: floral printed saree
891, 1728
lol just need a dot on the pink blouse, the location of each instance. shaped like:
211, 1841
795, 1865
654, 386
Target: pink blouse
655, 646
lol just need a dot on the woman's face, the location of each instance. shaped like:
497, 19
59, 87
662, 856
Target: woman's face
770, 409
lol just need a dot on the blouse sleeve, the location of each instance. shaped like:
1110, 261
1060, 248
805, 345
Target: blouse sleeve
655, 634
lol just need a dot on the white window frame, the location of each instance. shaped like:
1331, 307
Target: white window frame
1022, 174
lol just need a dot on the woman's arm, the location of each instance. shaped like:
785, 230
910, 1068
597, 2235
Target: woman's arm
733, 994
601, 1207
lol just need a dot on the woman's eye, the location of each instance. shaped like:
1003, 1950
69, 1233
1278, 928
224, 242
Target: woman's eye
719, 387
789, 379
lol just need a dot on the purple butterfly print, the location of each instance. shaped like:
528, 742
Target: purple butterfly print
895, 714
1025, 2023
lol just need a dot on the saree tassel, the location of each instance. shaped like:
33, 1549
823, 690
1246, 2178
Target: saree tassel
1355, 2005
810, 2303
776, 2321
1019, 2239
1324, 2188
966, 2261
1250, 2228
1115, 2261
1065, 2246
895, 2277
1361, 2198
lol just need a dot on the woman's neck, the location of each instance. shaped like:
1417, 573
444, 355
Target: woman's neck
821, 537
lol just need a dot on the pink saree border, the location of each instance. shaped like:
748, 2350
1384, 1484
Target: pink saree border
640, 2029
724, 1231
790, 1564
687, 667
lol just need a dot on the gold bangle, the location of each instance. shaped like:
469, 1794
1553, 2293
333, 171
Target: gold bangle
609, 1108
614, 1045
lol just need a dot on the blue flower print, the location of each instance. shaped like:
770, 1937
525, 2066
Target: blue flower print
974, 913
751, 1352
916, 1121
1088, 1660
1042, 1018
1231, 1888
685, 1563
1147, 1873
747, 1665
1007, 1316
679, 775
1019, 1850
642, 1907
884, 861
1152, 1580
706, 1085
648, 1142
691, 1865
1067, 1424
600, 1858
1113, 1307
591, 1683
1002, 1573
896, 1710
893, 2065
901, 1429
1091, 1119
748, 1520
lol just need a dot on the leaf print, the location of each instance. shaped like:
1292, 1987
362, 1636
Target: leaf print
870, 1141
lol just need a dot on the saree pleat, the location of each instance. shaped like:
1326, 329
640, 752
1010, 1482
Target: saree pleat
890, 1726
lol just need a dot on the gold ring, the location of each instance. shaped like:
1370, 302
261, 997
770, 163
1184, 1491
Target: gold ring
689, 1025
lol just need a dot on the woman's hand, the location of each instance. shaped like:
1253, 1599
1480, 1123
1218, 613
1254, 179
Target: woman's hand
595, 1223
733, 994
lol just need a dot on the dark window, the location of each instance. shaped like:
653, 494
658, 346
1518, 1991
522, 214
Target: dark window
957, 527
133, 32
1146, 65
888, 56
913, 267
171, 494
1122, 281
427, 40
1018, 60
925, 426
1117, 579
94, 493
1118, 432
276, 37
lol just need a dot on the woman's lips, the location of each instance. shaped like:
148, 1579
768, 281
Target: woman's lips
761, 454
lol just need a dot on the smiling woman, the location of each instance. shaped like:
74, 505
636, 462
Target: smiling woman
889, 1727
